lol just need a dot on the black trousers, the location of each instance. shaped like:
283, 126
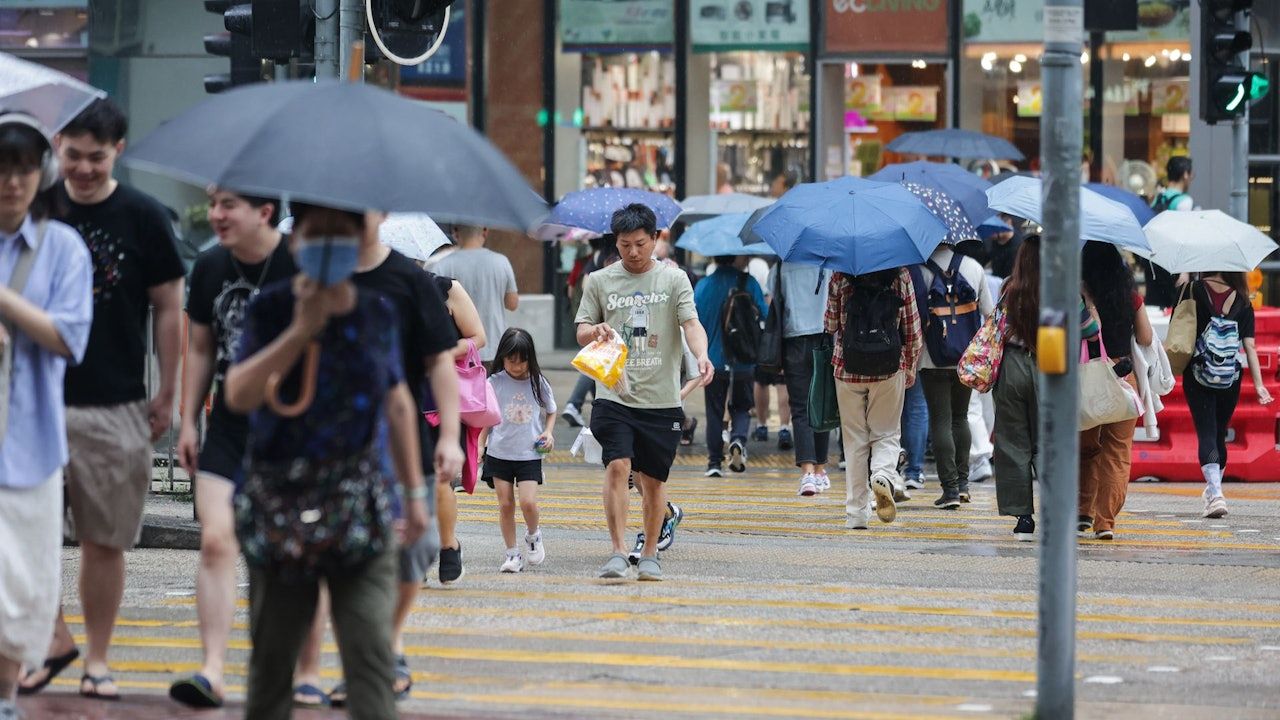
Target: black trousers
735, 389
1211, 411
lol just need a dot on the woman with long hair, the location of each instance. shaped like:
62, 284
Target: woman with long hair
1111, 293
1016, 406
1213, 377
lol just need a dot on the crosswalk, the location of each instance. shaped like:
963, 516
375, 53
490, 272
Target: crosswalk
772, 609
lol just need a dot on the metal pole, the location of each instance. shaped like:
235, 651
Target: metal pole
326, 49
350, 31
1061, 140
1098, 86
680, 173
1240, 143
479, 77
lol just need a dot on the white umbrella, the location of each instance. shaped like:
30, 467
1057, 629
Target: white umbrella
1205, 241
52, 97
1101, 219
701, 207
413, 235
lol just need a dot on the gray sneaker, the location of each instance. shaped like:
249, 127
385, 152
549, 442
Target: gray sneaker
649, 569
617, 567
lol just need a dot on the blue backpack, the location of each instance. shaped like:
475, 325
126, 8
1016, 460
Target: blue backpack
953, 316
1217, 354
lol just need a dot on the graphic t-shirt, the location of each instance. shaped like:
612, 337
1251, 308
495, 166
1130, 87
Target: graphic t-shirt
221, 288
522, 417
133, 247
359, 363
647, 310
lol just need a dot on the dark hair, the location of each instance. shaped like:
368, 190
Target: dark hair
1110, 285
518, 343
1177, 168
634, 217
790, 177
24, 148
1021, 294
302, 210
1236, 281
256, 202
103, 120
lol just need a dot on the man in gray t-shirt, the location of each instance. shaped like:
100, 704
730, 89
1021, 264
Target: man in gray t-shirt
487, 277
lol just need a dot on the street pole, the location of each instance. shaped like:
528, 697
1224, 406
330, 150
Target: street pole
1061, 143
1240, 142
326, 48
350, 31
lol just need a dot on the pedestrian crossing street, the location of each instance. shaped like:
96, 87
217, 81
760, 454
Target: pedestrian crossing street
772, 609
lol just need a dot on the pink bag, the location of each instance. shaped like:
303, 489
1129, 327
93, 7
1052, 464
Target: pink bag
477, 404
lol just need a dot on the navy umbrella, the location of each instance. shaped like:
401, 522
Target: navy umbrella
343, 145
955, 143
962, 186
943, 207
1141, 210
592, 209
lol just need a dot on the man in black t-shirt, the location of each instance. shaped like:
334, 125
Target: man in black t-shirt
250, 255
111, 424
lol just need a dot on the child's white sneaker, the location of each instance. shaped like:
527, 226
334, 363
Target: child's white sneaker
533, 546
514, 562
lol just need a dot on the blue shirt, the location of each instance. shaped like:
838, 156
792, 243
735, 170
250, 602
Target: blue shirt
60, 284
804, 295
709, 298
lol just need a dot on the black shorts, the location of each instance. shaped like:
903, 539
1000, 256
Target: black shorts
512, 471
764, 376
223, 453
649, 438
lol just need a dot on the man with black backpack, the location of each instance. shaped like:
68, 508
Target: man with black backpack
875, 326
953, 293
731, 307
1161, 287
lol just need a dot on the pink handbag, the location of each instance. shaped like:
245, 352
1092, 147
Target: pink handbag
477, 404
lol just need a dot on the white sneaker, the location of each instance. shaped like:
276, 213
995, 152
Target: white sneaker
886, 509
573, 416
857, 521
914, 483
514, 562
537, 553
808, 485
1215, 507
822, 481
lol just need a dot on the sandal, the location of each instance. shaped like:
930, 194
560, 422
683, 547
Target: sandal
195, 691
95, 682
402, 675
53, 667
338, 696
307, 695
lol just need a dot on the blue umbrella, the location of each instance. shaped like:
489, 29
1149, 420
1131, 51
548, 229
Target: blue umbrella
964, 187
592, 209
955, 143
701, 207
1101, 219
993, 225
852, 225
1141, 210
959, 229
719, 236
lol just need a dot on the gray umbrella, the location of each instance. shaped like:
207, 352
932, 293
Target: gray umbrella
342, 145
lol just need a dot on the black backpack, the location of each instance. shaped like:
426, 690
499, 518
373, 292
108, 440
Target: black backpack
1159, 282
953, 318
871, 339
741, 325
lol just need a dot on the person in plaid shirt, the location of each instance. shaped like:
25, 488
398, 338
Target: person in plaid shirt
871, 405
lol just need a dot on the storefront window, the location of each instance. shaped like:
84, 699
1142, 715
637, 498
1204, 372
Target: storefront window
760, 117
627, 118
55, 27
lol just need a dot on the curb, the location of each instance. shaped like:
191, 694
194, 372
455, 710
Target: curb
166, 532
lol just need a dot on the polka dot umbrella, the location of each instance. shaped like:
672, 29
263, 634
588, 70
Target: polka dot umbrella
592, 209
959, 229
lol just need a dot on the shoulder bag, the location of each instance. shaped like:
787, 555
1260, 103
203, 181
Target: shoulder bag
17, 282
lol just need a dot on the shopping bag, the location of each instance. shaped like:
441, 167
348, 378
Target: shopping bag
1104, 398
980, 365
604, 361
1180, 341
824, 409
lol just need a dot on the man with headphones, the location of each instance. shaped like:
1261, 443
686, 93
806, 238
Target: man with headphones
46, 310
111, 423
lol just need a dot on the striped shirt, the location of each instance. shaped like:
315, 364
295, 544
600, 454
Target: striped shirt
838, 294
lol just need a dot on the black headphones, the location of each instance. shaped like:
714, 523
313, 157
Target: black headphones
49, 161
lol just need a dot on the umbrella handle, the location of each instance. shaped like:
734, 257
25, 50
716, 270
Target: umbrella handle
311, 364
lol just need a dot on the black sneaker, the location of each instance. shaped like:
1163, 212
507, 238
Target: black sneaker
634, 555
948, 501
761, 434
451, 569
784, 440
1084, 524
1025, 530
714, 470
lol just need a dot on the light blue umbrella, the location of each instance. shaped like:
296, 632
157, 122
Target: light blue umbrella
701, 207
719, 236
1101, 219
851, 225
592, 209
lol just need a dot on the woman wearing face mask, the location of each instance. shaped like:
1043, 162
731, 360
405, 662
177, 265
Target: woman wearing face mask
319, 366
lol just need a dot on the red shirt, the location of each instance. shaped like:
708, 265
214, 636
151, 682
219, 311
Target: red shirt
908, 324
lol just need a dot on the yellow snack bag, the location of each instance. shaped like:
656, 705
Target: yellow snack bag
603, 362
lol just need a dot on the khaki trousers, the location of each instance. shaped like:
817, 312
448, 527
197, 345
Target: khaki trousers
870, 427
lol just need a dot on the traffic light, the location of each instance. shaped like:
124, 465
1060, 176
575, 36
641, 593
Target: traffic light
1227, 87
280, 29
236, 44
406, 31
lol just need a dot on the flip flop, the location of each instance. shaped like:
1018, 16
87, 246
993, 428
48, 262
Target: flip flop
195, 691
403, 673
53, 666
338, 696
95, 682
315, 697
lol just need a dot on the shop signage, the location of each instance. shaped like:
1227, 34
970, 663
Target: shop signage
856, 27
719, 25
1171, 97
449, 65
1030, 102
736, 95
590, 24
1009, 21
912, 102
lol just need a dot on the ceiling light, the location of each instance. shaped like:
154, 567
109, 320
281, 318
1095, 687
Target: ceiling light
1020, 58
1015, 66
1084, 58
1150, 61
1125, 57
1176, 55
